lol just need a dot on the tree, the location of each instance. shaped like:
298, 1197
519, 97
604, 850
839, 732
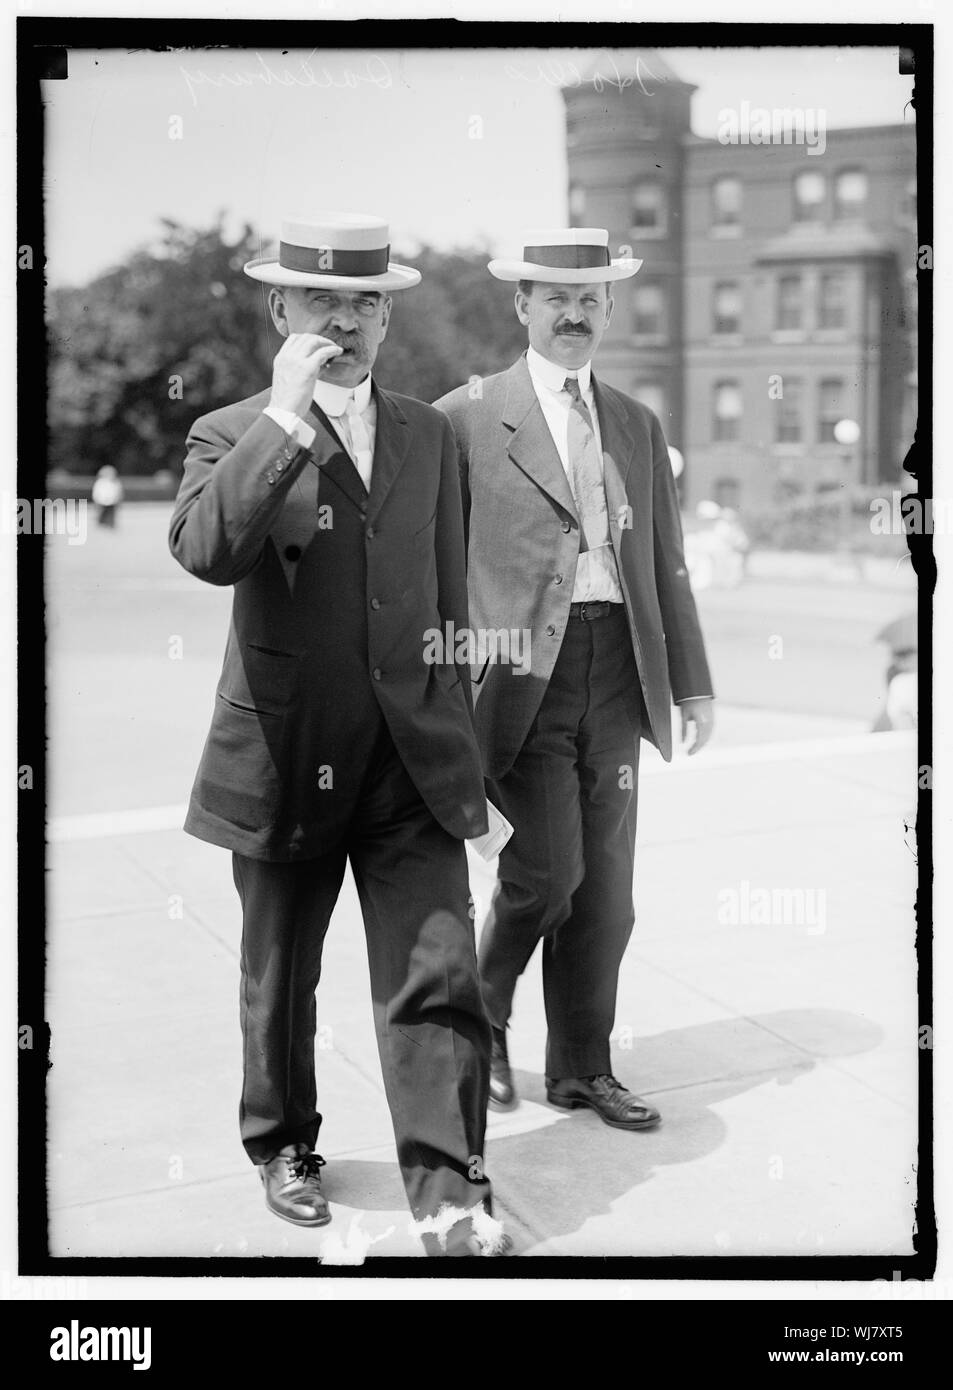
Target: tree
143, 350
458, 323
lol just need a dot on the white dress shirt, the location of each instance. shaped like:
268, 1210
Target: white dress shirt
597, 577
334, 401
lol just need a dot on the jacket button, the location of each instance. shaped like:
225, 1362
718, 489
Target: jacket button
292, 552
375, 604
377, 673
558, 579
550, 631
370, 533
566, 526
271, 477
279, 467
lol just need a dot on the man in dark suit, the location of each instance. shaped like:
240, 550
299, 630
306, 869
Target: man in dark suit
574, 541
333, 507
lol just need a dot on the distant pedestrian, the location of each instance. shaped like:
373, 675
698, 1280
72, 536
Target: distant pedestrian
107, 495
901, 697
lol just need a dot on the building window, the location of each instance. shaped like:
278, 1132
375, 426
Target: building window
726, 422
651, 394
577, 205
648, 207
790, 315
789, 428
907, 214
649, 312
726, 308
726, 202
830, 408
850, 193
728, 492
832, 300
809, 189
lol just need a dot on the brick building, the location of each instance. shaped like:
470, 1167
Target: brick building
777, 294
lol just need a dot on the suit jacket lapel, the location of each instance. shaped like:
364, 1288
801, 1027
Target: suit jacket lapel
617, 452
391, 443
531, 445
332, 458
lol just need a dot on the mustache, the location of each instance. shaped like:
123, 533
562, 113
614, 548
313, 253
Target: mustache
350, 342
569, 330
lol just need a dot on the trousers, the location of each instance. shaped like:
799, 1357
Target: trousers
432, 1033
565, 876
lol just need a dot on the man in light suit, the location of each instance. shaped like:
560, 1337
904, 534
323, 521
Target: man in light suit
333, 507
574, 539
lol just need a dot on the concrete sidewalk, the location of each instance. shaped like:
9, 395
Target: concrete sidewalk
778, 1037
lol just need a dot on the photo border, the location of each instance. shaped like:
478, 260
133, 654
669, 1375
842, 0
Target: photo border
43, 46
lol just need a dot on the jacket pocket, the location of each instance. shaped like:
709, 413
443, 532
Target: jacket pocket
272, 651
260, 680
249, 709
241, 776
425, 535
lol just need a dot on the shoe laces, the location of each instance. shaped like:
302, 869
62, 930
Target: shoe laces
607, 1079
306, 1167
622, 1101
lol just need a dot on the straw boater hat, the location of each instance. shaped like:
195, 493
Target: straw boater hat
335, 251
568, 255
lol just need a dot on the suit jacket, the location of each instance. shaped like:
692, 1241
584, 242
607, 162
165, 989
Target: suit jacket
523, 546
323, 643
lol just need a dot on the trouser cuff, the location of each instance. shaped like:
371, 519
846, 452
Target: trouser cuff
565, 1062
268, 1146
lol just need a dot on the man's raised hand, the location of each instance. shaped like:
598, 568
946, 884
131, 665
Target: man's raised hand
298, 365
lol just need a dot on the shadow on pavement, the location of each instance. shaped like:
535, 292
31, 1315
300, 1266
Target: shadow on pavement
558, 1176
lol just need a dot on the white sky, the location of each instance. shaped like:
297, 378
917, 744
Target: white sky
383, 131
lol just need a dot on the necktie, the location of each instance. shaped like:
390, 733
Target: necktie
585, 472
360, 441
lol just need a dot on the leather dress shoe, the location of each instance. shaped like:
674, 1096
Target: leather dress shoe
607, 1097
502, 1090
292, 1182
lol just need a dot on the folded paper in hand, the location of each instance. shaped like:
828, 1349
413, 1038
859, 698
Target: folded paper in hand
489, 845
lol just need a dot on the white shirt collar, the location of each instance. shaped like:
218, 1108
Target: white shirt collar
551, 375
333, 399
